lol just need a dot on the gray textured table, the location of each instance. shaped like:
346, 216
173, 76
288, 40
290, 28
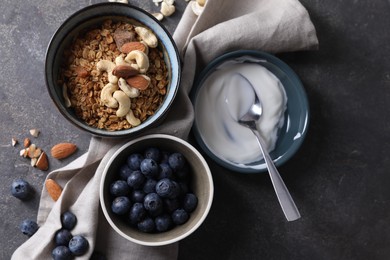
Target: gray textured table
339, 179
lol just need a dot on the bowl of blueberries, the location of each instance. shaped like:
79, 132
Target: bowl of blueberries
156, 190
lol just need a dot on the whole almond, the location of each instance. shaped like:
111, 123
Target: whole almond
131, 46
53, 188
124, 71
140, 82
42, 163
26, 142
63, 150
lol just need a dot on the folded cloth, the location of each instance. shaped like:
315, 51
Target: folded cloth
224, 25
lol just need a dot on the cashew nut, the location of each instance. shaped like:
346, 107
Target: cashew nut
129, 91
120, 61
106, 65
124, 103
147, 36
65, 96
167, 9
132, 119
106, 95
140, 58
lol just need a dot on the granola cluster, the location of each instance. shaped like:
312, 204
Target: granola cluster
82, 82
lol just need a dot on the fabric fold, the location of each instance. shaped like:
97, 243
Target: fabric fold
224, 25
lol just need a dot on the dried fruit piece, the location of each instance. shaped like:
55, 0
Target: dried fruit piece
81, 72
53, 188
42, 162
122, 36
63, 150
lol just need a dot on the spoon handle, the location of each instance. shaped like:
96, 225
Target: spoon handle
289, 208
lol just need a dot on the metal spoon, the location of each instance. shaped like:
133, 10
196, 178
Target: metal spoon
249, 120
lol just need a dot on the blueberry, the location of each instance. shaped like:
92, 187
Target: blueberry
137, 196
153, 202
164, 155
61, 253
152, 153
137, 213
163, 222
180, 216
176, 161
164, 171
124, 172
171, 205
134, 161
150, 186
21, 189
78, 245
175, 192
97, 256
149, 168
183, 174
136, 179
119, 188
183, 188
28, 227
62, 237
164, 188
147, 225
68, 220
121, 205
190, 202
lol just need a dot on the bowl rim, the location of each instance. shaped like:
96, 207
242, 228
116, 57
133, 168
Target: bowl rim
52, 50
140, 139
297, 84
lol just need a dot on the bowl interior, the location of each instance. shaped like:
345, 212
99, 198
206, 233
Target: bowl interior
201, 185
94, 15
296, 117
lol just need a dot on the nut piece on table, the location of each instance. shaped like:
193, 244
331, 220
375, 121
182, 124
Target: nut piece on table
14, 141
34, 132
63, 150
42, 163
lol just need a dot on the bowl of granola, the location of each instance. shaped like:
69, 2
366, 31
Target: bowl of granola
112, 70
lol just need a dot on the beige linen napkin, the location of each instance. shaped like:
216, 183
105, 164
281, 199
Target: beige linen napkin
224, 25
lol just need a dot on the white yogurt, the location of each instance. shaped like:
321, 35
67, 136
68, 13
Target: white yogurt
224, 97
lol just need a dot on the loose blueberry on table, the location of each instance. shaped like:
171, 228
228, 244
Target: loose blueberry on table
21, 189
158, 195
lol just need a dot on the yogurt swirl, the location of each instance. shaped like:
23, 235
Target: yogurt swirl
222, 98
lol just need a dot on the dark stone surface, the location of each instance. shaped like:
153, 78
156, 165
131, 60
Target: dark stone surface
339, 178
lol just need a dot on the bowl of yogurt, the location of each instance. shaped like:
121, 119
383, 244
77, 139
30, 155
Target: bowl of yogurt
219, 93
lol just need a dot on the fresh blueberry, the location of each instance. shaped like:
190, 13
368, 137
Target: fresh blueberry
61, 253
190, 202
176, 161
183, 188
134, 161
171, 205
62, 237
165, 171
119, 188
180, 216
137, 196
21, 189
136, 179
97, 256
121, 205
124, 172
28, 227
183, 174
78, 245
68, 220
175, 192
163, 222
137, 213
150, 186
164, 188
149, 168
147, 225
153, 202
164, 155
152, 153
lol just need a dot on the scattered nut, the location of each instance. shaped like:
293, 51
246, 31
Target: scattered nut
201, 2
26, 142
196, 8
167, 9
159, 16
14, 141
34, 132
42, 163
63, 150
31, 150
53, 188
24, 152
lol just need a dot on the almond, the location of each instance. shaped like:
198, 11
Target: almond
53, 188
140, 82
63, 150
131, 46
42, 163
26, 142
124, 71
81, 72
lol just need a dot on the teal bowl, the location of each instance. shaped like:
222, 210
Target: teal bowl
296, 118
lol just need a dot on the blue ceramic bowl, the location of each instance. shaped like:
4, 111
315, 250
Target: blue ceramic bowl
94, 15
294, 130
